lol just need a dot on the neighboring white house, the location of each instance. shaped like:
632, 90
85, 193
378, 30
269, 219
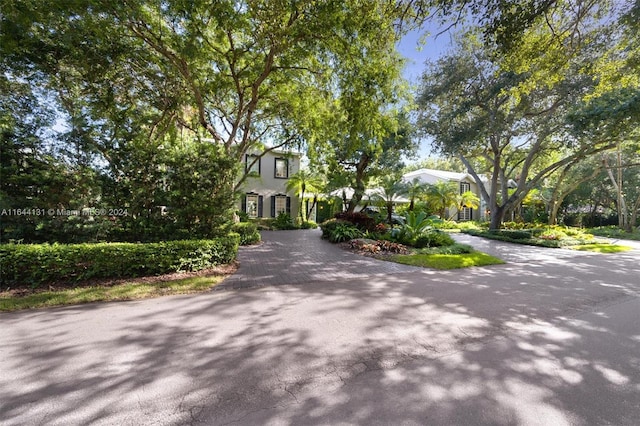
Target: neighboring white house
265, 193
465, 181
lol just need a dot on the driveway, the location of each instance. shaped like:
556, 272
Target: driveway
550, 341
295, 257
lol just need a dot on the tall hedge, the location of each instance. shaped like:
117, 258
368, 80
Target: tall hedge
32, 265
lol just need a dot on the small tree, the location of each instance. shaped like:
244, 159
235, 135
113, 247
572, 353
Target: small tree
415, 190
391, 188
467, 199
301, 182
443, 195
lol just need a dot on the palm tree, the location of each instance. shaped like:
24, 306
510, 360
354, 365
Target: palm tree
390, 189
443, 195
301, 182
467, 199
415, 190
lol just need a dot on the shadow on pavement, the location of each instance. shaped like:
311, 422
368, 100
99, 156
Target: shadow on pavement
504, 345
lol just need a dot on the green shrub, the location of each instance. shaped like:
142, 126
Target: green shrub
359, 220
433, 238
344, 232
263, 223
468, 225
283, 222
32, 265
415, 225
328, 226
248, 233
515, 234
309, 224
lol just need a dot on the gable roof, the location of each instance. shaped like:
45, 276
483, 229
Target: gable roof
438, 174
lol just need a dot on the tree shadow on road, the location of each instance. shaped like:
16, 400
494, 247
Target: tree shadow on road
505, 345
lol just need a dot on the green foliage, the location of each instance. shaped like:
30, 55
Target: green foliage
433, 238
342, 231
415, 225
462, 225
328, 226
553, 237
614, 232
359, 220
449, 249
309, 224
514, 234
283, 222
30, 265
248, 232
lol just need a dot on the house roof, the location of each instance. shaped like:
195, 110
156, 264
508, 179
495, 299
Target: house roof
368, 194
432, 176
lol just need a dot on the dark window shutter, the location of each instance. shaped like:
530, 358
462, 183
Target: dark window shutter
244, 203
289, 206
259, 205
273, 206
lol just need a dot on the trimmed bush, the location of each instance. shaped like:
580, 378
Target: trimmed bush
32, 265
515, 234
433, 238
248, 233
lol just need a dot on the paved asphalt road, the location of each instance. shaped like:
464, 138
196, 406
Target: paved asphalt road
551, 338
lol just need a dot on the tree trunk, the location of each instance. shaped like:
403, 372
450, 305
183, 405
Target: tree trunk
359, 186
497, 216
623, 218
313, 206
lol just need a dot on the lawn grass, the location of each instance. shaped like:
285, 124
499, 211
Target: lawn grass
602, 248
126, 291
447, 261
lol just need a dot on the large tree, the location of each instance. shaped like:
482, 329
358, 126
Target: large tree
508, 110
243, 75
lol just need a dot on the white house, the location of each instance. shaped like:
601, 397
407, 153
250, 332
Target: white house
265, 193
465, 181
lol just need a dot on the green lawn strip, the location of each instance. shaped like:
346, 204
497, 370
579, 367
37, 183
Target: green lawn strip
126, 291
447, 261
601, 248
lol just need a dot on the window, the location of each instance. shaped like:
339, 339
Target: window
250, 166
282, 168
252, 205
281, 204
465, 214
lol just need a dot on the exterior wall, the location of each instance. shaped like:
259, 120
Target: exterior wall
429, 176
270, 183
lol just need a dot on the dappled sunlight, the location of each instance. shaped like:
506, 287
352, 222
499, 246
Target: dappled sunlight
508, 344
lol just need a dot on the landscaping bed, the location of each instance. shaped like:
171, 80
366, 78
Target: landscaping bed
71, 293
29, 266
416, 242
550, 237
